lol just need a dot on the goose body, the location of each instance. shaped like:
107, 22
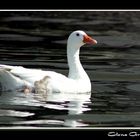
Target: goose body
18, 77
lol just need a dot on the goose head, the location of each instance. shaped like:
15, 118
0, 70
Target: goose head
79, 38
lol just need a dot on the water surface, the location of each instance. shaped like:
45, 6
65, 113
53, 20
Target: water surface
38, 40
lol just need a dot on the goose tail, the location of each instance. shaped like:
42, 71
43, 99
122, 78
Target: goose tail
9, 82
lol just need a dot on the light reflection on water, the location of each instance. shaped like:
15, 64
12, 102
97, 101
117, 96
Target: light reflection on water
65, 104
37, 41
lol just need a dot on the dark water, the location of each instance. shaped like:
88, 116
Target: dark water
38, 40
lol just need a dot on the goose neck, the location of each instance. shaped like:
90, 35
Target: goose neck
76, 70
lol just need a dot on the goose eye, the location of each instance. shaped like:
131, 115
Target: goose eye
77, 34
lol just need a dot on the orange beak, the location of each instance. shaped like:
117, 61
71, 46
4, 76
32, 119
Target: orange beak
88, 40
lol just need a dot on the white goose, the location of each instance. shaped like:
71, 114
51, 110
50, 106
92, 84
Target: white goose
18, 77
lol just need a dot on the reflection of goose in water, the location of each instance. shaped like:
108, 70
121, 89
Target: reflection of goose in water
17, 77
75, 109
75, 104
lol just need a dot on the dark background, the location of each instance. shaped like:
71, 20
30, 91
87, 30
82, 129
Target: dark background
71, 4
